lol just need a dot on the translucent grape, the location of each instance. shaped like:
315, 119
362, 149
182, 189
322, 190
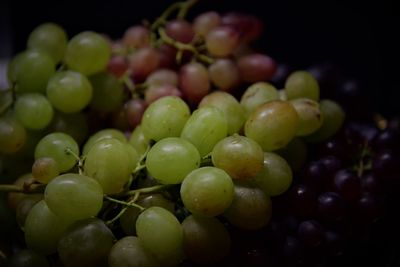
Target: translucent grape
205, 22
45, 169
25, 206
310, 116
108, 92
139, 141
180, 30
117, 66
162, 77
33, 110
143, 62
221, 41
224, 74
87, 53
58, 147
134, 109
156, 92
137, 36
133, 156
205, 127
258, 94
12, 135
194, 81
301, 84
165, 117
101, 135
272, 125
207, 191
171, 159
256, 67
161, 234
69, 91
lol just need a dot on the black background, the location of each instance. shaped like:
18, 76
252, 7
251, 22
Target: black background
358, 36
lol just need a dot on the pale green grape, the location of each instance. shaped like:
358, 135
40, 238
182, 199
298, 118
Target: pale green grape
25, 206
165, 117
101, 135
239, 156
310, 116
205, 240
43, 229
108, 162
251, 208
333, 120
205, 127
45, 169
301, 84
88, 53
69, 91
272, 125
74, 125
133, 156
108, 92
30, 71
161, 233
60, 147
276, 176
33, 110
171, 159
86, 243
138, 140
12, 135
73, 196
6, 100
295, 153
129, 252
258, 94
207, 191
50, 38
233, 111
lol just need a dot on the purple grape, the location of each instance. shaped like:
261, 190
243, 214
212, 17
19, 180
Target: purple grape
331, 206
303, 200
311, 233
348, 185
369, 208
316, 175
334, 243
370, 183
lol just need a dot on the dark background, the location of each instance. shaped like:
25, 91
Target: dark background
358, 36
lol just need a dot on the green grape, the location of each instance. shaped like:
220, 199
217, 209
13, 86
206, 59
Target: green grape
258, 94
12, 135
133, 156
239, 156
128, 219
74, 125
302, 84
272, 125
30, 71
25, 206
161, 234
233, 111
310, 116
108, 92
165, 117
171, 159
6, 100
295, 153
88, 53
282, 95
139, 141
86, 243
27, 258
207, 191
129, 252
333, 120
43, 229
101, 135
45, 169
276, 176
73, 196
15, 198
50, 38
60, 147
33, 110
69, 91
205, 127
251, 208
205, 240
108, 162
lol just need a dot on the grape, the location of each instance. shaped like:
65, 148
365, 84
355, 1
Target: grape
133, 157
137, 36
143, 62
311, 233
167, 56
316, 175
43, 229
207, 191
310, 116
272, 125
161, 233
33, 110
171, 159
12, 135
108, 92
249, 27
73, 196
348, 185
45, 169
86, 243
221, 41
295, 153
232, 110
27, 258
155, 92
50, 38
69, 91
25, 206
74, 125
239, 156
256, 67
224, 74
102, 135
15, 198
165, 117
302, 84
60, 147
251, 208
134, 109
257, 94
194, 81
276, 176
205, 240
180, 30
129, 252
87, 53
138, 140
331, 206
303, 200
162, 77
30, 70
117, 66
108, 162
205, 22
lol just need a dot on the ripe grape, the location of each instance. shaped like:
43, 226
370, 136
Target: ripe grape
162, 77
137, 36
221, 41
301, 84
139, 141
12, 135
310, 116
143, 62
45, 169
205, 22
101, 135
194, 81
180, 30
224, 74
256, 67
257, 94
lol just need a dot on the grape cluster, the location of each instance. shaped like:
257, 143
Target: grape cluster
180, 145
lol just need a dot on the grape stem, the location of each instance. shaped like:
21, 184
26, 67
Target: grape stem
77, 158
134, 199
121, 202
362, 166
150, 189
26, 188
